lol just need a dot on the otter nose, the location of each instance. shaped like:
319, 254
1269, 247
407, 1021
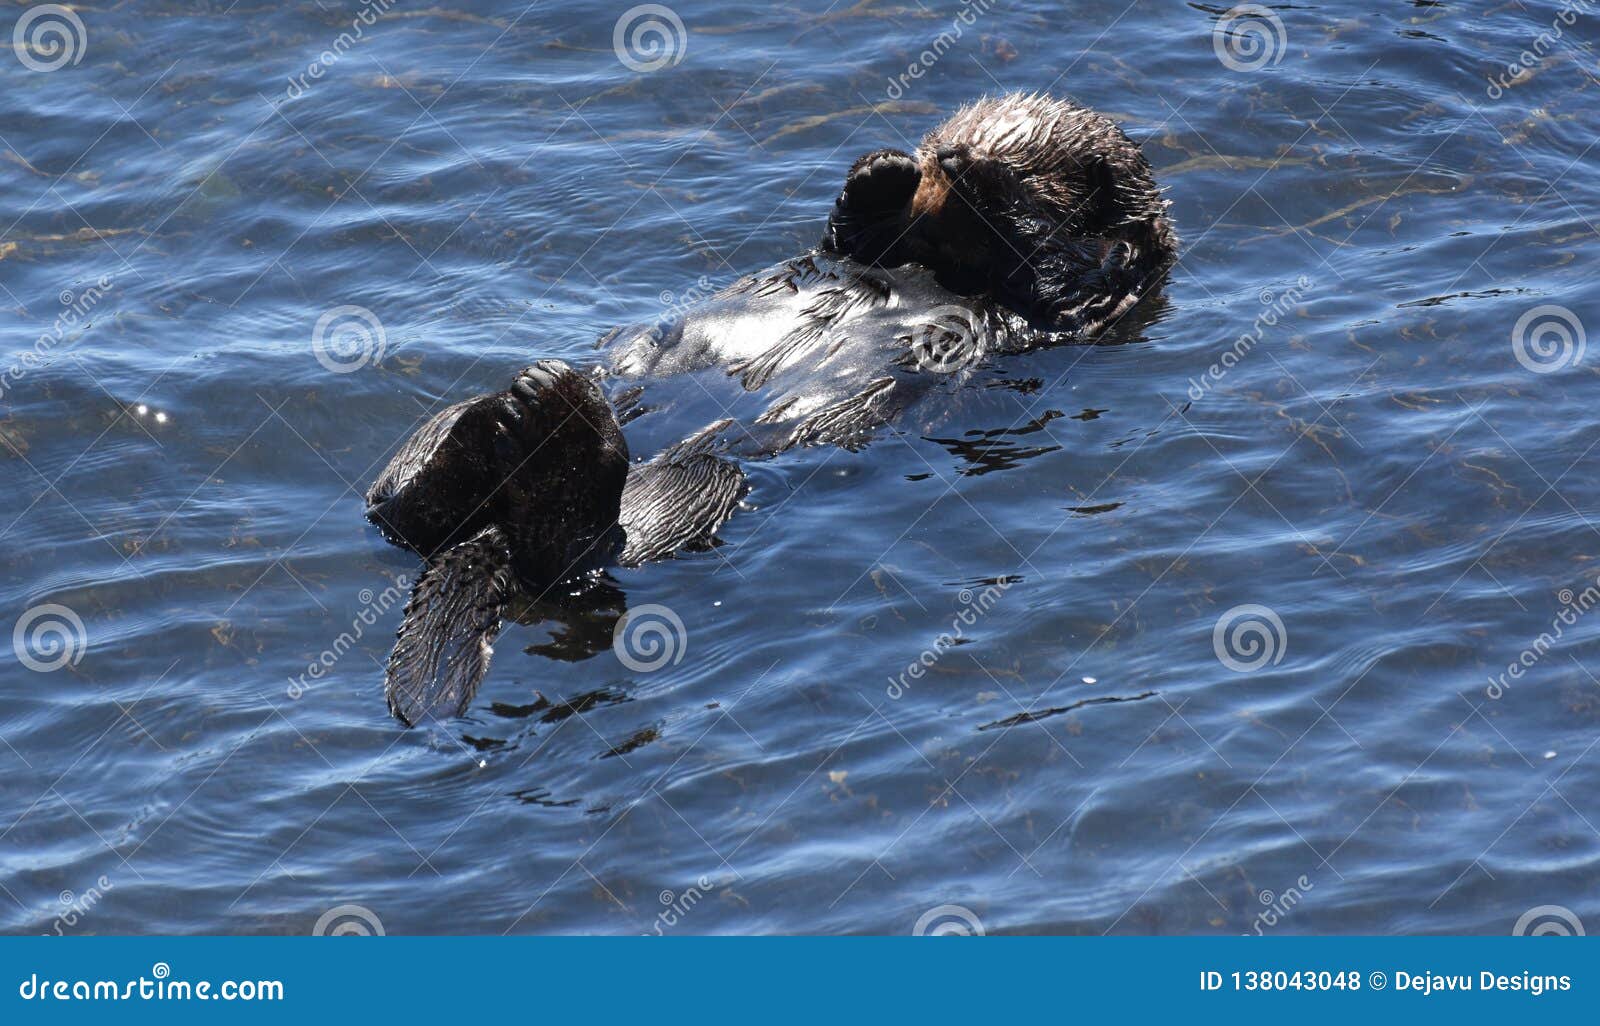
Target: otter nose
953, 159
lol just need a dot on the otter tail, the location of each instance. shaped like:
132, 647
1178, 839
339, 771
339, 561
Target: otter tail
452, 618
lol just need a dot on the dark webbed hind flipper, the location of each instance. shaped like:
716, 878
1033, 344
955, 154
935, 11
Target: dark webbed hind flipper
869, 217
435, 490
531, 477
677, 501
442, 651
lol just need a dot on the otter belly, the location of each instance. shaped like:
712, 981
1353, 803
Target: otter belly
813, 350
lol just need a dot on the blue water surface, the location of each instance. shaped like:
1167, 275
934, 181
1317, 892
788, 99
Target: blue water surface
1301, 513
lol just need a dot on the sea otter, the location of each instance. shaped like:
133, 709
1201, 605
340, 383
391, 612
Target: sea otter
1019, 222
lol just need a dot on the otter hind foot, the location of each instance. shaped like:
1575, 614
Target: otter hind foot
677, 501
442, 651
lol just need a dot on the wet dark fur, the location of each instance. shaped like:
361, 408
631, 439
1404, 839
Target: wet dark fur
521, 491
1045, 204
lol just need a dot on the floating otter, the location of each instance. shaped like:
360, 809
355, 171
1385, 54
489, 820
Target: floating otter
1021, 221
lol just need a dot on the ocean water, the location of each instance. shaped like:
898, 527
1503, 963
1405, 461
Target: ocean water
1237, 592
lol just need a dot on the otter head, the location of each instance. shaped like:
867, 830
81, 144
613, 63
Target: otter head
1022, 193
543, 460
1004, 176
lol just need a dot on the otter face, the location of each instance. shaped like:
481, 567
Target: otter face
544, 460
962, 212
1037, 200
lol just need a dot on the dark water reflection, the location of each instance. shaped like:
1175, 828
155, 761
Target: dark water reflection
1376, 467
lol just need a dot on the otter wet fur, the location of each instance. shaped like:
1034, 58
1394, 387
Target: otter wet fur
529, 489
1045, 204
1021, 221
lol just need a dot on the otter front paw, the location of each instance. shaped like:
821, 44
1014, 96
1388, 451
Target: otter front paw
880, 181
869, 215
